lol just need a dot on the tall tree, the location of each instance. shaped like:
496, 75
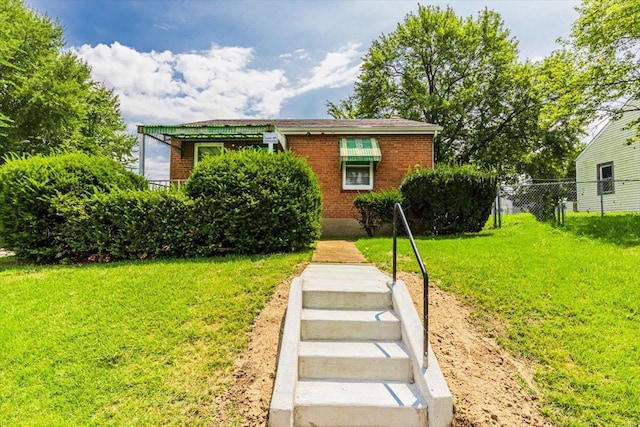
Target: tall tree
464, 74
48, 102
607, 38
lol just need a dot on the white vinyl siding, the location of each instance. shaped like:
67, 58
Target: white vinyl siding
611, 146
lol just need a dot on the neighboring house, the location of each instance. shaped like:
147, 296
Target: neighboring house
350, 156
608, 169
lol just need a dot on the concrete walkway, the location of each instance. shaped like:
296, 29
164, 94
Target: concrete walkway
337, 251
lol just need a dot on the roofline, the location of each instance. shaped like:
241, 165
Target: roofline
311, 130
378, 130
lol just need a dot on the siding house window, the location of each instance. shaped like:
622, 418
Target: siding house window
203, 149
605, 178
357, 176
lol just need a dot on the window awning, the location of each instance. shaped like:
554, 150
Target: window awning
359, 150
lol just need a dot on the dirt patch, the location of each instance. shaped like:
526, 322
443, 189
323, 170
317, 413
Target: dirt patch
337, 251
484, 379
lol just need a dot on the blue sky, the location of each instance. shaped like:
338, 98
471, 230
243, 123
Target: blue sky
187, 60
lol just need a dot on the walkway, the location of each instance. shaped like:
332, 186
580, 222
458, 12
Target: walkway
337, 251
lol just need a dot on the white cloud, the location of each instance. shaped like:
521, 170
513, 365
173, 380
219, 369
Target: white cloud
336, 69
167, 87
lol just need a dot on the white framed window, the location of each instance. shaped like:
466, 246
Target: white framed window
203, 149
357, 176
605, 178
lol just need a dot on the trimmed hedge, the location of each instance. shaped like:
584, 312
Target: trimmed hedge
31, 188
80, 208
448, 200
376, 209
257, 202
130, 225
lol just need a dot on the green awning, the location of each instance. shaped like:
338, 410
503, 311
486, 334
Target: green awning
359, 150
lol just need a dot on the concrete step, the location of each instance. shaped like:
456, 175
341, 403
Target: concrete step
358, 404
363, 360
349, 325
351, 295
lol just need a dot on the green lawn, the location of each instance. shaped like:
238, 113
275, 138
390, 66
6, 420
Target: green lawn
135, 343
568, 298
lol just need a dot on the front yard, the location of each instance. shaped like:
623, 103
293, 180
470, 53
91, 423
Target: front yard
132, 343
568, 299
153, 343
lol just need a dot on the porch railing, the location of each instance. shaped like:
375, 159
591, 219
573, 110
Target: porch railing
159, 184
398, 212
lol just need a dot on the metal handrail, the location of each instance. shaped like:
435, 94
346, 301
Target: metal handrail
397, 208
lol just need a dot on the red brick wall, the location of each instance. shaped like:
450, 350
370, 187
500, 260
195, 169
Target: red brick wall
181, 165
400, 153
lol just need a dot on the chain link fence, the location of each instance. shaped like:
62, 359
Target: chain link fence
551, 200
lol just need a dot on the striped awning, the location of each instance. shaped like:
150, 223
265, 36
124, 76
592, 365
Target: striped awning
359, 150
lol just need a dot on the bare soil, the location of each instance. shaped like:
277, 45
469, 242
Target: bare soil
489, 386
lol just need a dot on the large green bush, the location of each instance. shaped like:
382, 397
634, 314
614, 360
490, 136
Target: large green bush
257, 202
375, 209
130, 225
448, 200
30, 189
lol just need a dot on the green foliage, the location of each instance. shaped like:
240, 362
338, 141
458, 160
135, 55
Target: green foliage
79, 208
48, 103
567, 299
448, 200
606, 37
376, 209
129, 225
497, 112
257, 202
129, 343
32, 188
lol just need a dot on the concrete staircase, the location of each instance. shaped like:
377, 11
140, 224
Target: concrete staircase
347, 358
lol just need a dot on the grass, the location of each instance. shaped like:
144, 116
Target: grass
567, 297
135, 343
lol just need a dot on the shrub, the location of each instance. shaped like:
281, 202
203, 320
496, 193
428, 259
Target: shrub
129, 225
257, 202
31, 187
448, 200
376, 209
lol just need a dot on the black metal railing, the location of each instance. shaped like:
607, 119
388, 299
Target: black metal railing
397, 209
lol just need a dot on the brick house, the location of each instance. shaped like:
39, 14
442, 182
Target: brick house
350, 156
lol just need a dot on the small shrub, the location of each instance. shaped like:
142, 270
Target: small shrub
448, 200
376, 209
257, 202
30, 187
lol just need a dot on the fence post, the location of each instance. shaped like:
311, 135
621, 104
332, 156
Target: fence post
601, 197
495, 207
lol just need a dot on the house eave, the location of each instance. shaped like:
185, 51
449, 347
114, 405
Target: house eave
425, 130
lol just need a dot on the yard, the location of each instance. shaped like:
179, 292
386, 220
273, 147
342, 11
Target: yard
567, 298
153, 343
132, 343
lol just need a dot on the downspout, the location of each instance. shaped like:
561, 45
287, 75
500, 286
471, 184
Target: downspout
433, 150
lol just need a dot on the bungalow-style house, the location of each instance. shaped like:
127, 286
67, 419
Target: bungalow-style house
349, 156
608, 169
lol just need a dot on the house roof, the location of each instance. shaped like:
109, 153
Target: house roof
291, 125
295, 127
